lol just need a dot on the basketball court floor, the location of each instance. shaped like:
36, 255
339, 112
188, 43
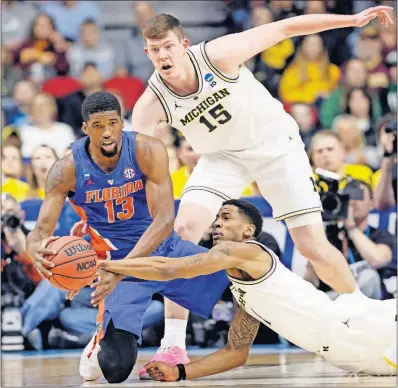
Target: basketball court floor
267, 367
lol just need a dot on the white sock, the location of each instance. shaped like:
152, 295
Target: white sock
174, 333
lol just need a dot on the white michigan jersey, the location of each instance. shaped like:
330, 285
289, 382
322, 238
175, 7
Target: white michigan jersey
352, 332
224, 113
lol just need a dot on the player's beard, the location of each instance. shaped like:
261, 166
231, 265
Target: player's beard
111, 153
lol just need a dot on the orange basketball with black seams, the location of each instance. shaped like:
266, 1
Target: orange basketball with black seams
75, 263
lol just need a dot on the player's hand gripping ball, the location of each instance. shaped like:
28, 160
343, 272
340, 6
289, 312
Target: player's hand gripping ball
75, 264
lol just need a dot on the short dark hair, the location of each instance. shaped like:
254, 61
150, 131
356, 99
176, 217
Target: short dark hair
160, 25
100, 102
250, 211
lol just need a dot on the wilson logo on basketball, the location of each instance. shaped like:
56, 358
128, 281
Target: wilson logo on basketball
87, 265
76, 249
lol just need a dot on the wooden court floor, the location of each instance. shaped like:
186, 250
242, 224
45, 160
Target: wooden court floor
264, 369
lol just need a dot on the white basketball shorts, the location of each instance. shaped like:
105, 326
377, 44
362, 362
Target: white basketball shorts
279, 165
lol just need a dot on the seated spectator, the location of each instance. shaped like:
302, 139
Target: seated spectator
42, 159
388, 95
354, 76
11, 172
334, 40
10, 134
327, 151
188, 159
16, 17
91, 49
23, 94
140, 66
126, 117
69, 15
356, 151
268, 65
12, 163
10, 74
359, 104
42, 55
306, 118
368, 251
283, 9
72, 324
384, 182
388, 36
369, 50
43, 128
18, 275
70, 107
311, 75
48, 304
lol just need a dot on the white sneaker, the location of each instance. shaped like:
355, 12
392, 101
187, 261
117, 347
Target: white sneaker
391, 355
89, 368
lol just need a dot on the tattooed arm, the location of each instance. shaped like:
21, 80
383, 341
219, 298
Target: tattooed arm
223, 256
242, 332
60, 180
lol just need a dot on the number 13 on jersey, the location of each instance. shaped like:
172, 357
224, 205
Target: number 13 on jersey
127, 209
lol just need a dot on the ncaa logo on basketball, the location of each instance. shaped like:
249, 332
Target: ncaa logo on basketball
129, 173
209, 77
87, 265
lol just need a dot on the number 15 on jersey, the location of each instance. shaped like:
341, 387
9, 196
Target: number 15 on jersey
219, 114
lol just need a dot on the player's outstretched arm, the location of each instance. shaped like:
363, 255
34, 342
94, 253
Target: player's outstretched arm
242, 332
60, 180
220, 257
230, 51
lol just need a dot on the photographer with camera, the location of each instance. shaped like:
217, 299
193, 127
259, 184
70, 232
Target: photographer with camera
327, 151
18, 275
385, 180
369, 251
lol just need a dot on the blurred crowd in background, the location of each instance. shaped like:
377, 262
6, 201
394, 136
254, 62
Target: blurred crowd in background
340, 86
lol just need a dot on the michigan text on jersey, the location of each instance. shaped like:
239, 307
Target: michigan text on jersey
204, 105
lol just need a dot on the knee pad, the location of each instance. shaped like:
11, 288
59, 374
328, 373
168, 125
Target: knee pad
118, 354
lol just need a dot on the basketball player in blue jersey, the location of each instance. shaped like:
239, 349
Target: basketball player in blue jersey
241, 131
119, 184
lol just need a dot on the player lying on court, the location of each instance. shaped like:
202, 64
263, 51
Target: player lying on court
352, 332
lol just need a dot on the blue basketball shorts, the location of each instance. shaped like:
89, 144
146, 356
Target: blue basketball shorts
129, 300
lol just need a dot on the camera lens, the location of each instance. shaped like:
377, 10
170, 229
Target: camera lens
331, 203
13, 222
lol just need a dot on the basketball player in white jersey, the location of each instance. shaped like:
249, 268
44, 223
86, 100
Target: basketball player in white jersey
352, 332
243, 134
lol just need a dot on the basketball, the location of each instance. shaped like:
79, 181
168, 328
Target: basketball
75, 263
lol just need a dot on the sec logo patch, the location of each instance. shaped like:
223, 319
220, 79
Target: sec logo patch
129, 173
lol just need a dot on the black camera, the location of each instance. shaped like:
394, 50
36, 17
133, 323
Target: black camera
11, 219
335, 201
391, 127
